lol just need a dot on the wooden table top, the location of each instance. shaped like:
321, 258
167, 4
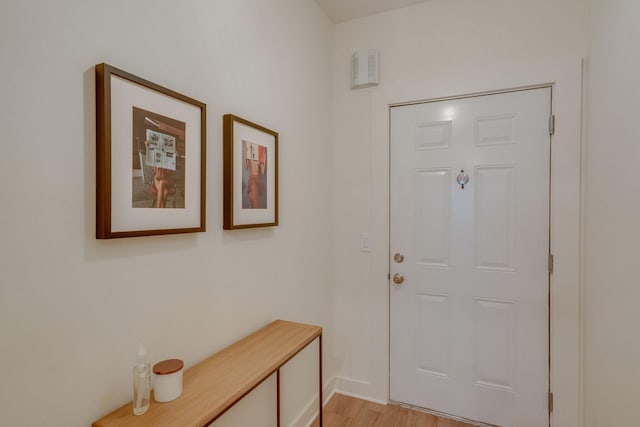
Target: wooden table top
217, 383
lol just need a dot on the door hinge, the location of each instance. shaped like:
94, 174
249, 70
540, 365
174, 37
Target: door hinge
550, 263
552, 124
550, 402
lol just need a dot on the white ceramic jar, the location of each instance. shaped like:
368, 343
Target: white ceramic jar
167, 380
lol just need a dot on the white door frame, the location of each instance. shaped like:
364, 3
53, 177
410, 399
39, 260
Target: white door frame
566, 78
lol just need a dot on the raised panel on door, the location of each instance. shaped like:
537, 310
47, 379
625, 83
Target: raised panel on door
433, 135
496, 130
432, 334
494, 343
494, 217
433, 217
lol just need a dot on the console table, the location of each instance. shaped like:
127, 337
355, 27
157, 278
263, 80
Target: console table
216, 384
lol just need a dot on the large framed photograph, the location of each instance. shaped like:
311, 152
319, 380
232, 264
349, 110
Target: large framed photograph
250, 164
150, 159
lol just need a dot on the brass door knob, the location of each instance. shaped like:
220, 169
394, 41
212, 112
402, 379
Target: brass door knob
398, 257
398, 278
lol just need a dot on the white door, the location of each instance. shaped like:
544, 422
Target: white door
470, 321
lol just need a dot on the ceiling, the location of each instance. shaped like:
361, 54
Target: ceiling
345, 10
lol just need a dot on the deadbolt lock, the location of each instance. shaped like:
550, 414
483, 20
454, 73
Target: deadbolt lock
398, 257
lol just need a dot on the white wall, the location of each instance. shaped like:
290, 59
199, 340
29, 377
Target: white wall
438, 48
72, 308
612, 209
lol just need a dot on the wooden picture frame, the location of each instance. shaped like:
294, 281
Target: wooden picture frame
150, 158
250, 167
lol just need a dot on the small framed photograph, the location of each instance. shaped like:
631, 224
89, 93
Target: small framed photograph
250, 164
150, 159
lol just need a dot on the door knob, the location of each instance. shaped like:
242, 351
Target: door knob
398, 278
398, 258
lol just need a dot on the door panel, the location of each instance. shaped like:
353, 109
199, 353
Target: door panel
432, 332
495, 342
469, 325
494, 217
433, 217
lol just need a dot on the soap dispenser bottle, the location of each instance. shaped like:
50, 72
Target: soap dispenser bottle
141, 383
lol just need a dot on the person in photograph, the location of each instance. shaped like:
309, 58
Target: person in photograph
255, 160
161, 184
158, 161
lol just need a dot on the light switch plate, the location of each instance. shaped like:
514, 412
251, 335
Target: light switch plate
365, 242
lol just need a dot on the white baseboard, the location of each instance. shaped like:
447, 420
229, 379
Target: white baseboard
359, 388
361, 397
337, 384
310, 411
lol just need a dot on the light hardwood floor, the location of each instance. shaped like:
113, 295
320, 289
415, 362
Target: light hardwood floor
345, 411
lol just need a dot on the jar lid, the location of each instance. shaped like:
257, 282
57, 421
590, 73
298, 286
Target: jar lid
167, 367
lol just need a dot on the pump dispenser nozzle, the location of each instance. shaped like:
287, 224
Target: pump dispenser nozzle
141, 356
